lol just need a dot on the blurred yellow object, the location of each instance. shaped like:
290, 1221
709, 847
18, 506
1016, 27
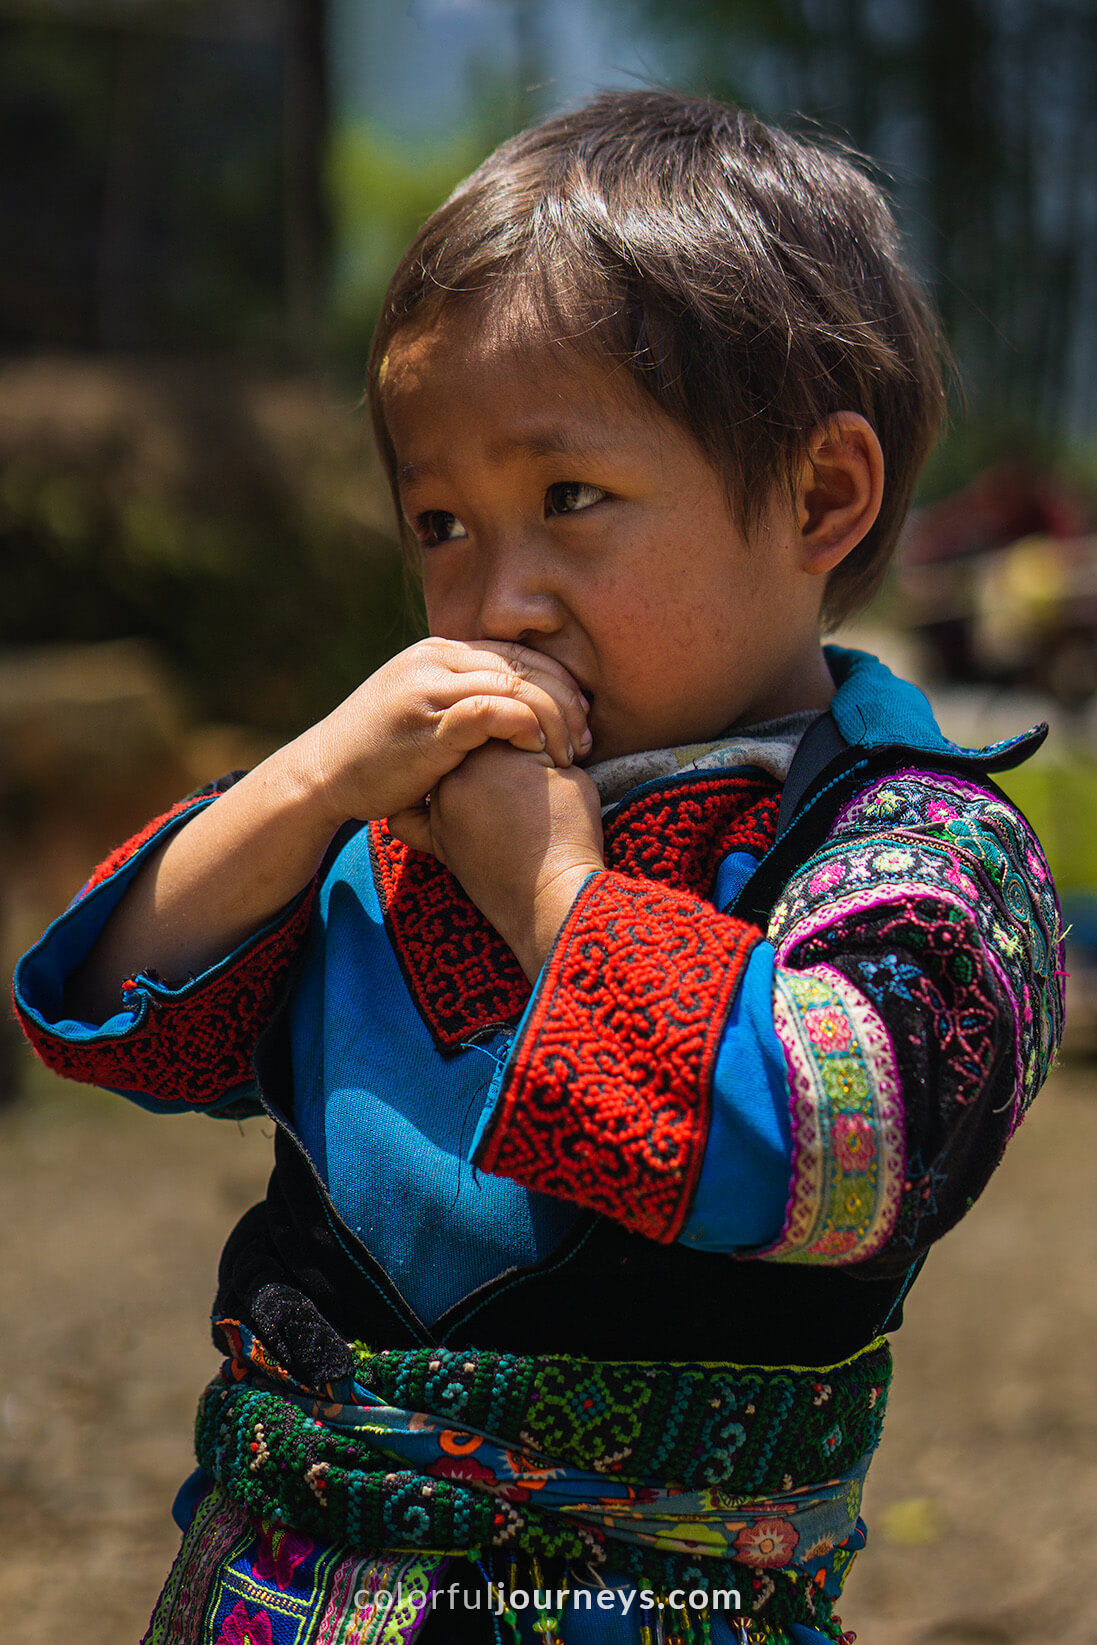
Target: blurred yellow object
911, 1523
1058, 795
1017, 593
1033, 573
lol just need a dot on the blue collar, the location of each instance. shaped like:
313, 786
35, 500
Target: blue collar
872, 708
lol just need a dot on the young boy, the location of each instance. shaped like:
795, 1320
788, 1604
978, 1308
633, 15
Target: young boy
692, 987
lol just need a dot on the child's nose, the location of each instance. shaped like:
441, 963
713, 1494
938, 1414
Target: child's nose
516, 596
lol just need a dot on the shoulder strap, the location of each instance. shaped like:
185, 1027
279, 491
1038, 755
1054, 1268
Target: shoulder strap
821, 743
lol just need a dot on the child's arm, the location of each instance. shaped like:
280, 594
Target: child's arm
159, 977
869, 1059
238, 862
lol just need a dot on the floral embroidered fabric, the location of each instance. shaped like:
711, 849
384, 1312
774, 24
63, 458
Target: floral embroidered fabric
242, 1580
847, 1119
933, 900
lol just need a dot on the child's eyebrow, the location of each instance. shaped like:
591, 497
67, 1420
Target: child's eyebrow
556, 443
552, 443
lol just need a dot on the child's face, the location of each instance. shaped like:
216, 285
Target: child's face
557, 506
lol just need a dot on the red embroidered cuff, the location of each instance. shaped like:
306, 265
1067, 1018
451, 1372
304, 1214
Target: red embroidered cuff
190, 1045
606, 1099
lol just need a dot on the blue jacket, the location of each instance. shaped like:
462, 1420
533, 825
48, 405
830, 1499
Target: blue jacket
777, 1050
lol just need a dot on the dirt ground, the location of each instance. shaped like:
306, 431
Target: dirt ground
982, 1507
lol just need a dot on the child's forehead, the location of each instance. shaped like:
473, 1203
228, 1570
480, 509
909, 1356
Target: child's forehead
495, 371
474, 334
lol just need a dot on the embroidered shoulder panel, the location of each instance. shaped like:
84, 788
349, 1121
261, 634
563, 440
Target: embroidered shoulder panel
606, 1097
847, 1120
459, 971
932, 900
918, 834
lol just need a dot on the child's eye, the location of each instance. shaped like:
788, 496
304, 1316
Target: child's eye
570, 496
438, 525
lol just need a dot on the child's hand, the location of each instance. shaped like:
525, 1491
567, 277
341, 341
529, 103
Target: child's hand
397, 736
521, 835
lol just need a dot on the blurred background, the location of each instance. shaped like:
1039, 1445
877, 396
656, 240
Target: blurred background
200, 204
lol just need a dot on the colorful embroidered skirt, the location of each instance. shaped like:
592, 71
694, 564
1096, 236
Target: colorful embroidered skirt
236, 1582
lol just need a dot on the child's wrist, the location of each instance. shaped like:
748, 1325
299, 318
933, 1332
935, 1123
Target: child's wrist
305, 787
552, 906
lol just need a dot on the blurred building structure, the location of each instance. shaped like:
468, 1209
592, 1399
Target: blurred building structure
162, 179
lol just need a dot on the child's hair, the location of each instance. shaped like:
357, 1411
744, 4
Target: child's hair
752, 282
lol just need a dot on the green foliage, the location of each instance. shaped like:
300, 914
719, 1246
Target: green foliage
256, 559
381, 192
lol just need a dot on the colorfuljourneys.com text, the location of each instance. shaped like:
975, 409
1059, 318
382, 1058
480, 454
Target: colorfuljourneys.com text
499, 1599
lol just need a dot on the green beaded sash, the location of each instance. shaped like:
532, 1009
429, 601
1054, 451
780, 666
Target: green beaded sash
682, 1475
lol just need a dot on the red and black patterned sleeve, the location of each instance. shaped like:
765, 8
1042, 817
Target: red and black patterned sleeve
605, 1101
167, 1047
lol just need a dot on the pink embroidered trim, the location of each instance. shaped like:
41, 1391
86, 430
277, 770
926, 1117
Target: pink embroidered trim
950, 787
848, 1144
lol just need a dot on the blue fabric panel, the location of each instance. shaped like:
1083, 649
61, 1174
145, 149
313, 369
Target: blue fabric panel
731, 876
389, 1122
188, 1496
496, 1084
873, 708
744, 1186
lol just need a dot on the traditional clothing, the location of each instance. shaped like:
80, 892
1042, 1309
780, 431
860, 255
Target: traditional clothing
777, 1050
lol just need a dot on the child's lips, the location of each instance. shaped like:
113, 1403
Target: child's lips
585, 754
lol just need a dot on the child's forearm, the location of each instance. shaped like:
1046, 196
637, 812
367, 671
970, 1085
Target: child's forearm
224, 874
215, 881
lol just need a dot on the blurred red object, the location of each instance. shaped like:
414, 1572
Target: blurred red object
1004, 503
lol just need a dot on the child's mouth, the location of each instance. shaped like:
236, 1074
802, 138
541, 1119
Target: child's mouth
586, 753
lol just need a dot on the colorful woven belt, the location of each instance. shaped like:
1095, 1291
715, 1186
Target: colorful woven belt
679, 1475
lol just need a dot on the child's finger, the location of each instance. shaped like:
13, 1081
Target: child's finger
546, 699
569, 736
473, 721
412, 826
556, 708
534, 678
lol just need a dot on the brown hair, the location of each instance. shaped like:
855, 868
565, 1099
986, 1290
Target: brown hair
751, 281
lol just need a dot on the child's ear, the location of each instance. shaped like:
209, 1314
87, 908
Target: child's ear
840, 489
